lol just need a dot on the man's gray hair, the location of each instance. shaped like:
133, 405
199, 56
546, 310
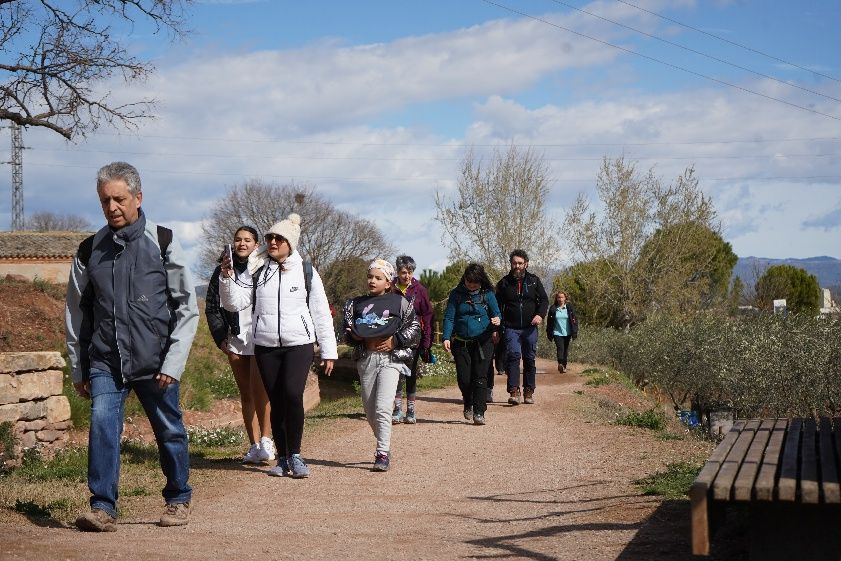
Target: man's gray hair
405, 262
116, 171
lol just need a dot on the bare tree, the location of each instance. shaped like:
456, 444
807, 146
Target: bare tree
329, 236
498, 207
52, 222
54, 54
634, 263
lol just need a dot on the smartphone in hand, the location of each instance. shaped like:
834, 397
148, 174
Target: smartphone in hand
229, 253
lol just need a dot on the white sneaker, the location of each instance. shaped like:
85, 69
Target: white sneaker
266, 452
253, 455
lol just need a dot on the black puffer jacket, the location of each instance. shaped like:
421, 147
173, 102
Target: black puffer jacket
520, 305
220, 321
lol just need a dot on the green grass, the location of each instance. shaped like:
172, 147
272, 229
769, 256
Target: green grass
599, 380
673, 483
8, 441
70, 464
652, 419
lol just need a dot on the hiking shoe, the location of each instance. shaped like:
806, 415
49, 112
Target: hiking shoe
563, 368
397, 417
253, 455
490, 397
298, 467
514, 399
176, 515
281, 469
528, 396
410, 418
560, 369
468, 413
479, 419
97, 520
381, 461
266, 453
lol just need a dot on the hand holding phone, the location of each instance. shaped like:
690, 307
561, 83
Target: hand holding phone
228, 261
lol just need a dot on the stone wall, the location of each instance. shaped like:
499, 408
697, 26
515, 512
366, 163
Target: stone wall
31, 400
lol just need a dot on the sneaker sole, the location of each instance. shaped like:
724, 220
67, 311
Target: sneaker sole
513, 402
299, 475
173, 523
379, 468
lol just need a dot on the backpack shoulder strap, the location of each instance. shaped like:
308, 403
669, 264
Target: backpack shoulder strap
85, 250
308, 279
164, 239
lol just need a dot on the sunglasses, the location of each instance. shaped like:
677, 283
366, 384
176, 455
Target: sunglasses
274, 238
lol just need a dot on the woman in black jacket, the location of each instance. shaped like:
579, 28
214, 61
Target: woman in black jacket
561, 327
233, 335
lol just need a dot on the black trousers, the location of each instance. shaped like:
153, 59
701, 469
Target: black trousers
498, 362
411, 381
472, 359
562, 348
284, 372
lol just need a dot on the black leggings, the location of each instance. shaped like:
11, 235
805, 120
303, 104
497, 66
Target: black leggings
411, 381
562, 348
284, 372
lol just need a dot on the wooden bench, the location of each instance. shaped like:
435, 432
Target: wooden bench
787, 472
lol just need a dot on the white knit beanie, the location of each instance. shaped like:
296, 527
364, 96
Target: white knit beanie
290, 229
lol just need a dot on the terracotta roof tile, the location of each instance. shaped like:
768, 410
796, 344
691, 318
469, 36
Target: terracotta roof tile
40, 244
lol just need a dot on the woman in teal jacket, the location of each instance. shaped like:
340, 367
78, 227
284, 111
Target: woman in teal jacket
470, 323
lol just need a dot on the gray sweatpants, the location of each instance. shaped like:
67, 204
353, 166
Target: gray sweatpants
378, 376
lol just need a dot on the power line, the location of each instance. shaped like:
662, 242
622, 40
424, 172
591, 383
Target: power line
468, 145
398, 159
380, 179
734, 43
697, 52
663, 62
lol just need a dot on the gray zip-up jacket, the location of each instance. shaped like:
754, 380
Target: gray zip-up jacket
129, 310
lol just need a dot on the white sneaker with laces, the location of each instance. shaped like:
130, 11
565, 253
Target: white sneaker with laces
253, 455
267, 450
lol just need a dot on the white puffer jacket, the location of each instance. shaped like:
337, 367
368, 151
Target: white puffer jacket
281, 317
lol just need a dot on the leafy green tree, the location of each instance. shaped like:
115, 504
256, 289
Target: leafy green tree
586, 283
621, 235
685, 267
800, 289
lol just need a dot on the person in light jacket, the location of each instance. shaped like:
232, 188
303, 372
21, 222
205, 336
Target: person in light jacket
287, 321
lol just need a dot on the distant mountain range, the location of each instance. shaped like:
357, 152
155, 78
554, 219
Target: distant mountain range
826, 269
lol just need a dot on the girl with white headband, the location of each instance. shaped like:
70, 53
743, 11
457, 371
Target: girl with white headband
382, 328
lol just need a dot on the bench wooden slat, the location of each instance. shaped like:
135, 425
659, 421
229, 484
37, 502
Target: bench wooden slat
723, 484
830, 487
787, 484
743, 486
699, 491
809, 485
764, 486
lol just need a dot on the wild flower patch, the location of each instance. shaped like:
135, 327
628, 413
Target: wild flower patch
216, 437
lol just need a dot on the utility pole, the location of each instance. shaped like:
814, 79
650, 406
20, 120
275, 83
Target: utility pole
17, 178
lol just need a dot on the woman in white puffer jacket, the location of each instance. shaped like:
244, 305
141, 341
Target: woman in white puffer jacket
286, 322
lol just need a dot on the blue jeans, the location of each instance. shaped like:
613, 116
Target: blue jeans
108, 397
520, 343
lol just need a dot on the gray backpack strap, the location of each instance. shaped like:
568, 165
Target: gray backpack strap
308, 279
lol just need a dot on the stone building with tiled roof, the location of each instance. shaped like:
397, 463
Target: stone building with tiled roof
45, 255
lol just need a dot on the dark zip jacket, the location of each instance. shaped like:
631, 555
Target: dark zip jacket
129, 310
220, 321
520, 302
550, 321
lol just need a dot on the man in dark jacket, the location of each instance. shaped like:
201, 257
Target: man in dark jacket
130, 319
523, 302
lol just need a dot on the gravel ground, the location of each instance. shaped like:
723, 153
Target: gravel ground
551, 480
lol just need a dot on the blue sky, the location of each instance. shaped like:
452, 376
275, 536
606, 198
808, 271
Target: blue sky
375, 102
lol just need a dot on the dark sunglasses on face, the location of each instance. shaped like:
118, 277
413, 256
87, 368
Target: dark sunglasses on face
274, 238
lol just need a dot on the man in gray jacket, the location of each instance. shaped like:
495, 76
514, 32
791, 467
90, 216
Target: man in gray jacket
130, 316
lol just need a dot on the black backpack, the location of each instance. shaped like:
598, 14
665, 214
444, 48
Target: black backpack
86, 247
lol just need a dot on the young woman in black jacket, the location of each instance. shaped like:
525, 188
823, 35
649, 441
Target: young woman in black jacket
233, 335
561, 327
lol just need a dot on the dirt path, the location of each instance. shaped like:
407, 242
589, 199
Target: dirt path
543, 481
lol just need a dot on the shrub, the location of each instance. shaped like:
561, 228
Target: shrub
650, 419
